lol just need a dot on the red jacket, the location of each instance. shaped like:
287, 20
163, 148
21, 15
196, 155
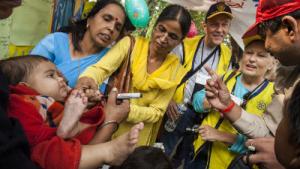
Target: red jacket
48, 150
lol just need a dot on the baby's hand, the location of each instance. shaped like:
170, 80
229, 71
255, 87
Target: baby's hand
208, 133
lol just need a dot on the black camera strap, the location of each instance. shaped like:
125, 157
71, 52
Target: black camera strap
193, 71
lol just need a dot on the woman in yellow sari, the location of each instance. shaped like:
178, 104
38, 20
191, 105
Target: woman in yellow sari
155, 71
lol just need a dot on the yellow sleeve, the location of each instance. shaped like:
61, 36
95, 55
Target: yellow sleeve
155, 111
109, 63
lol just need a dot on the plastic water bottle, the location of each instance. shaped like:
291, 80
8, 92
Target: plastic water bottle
170, 125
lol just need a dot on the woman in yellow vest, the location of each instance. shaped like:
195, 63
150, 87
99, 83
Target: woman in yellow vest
155, 71
218, 141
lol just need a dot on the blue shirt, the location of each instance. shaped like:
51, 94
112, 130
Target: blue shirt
239, 91
56, 47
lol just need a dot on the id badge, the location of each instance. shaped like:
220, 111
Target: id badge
201, 78
236, 100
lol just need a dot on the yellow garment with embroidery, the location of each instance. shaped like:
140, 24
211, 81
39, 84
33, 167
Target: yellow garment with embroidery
190, 47
220, 156
157, 88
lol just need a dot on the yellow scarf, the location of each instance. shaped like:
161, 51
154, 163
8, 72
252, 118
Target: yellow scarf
168, 75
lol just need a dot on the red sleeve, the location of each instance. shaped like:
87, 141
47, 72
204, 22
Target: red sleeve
57, 153
35, 129
94, 117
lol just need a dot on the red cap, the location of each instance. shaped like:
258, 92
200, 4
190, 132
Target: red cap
269, 9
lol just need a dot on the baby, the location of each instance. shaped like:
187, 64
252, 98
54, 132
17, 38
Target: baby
64, 135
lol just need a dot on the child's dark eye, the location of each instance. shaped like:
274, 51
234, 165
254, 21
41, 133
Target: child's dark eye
50, 75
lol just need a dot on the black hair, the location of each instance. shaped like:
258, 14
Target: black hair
78, 28
276, 23
177, 13
146, 157
17, 69
293, 110
128, 26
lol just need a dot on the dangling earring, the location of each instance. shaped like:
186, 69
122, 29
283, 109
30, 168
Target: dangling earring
87, 26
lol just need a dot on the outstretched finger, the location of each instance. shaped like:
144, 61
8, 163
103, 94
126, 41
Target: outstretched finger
211, 72
221, 84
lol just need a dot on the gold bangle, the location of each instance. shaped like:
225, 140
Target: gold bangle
110, 122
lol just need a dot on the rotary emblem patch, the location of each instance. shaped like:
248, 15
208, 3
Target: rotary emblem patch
261, 105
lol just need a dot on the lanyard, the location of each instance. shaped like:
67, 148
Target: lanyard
193, 71
202, 55
248, 96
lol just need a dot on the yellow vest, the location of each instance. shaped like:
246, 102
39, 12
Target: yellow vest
220, 157
190, 48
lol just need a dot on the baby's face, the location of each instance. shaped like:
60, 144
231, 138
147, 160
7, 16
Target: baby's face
47, 81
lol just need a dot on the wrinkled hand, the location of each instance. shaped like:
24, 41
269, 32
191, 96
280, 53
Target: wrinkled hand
208, 133
90, 88
115, 111
265, 154
172, 111
206, 104
217, 93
